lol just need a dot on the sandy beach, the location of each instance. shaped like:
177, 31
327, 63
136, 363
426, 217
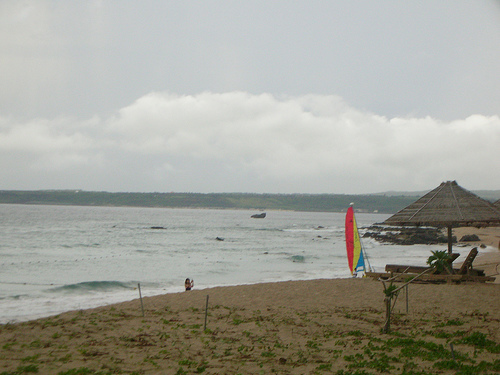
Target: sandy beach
488, 258
296, 327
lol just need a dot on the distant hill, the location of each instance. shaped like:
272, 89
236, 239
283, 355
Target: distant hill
489, 195
402, 193
382, 203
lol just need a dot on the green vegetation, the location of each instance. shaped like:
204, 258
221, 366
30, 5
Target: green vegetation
439, 260
30, 369
479, 340
294, 202
83, 371
383, 203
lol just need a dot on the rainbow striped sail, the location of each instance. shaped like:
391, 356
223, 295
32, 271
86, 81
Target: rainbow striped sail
355, 256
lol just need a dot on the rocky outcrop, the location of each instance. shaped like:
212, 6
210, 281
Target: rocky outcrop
470, 238
407, 235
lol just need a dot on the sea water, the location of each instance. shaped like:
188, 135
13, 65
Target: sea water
60, 258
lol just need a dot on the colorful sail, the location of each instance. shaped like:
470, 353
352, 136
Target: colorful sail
353, 243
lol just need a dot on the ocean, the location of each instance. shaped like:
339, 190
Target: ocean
61, 258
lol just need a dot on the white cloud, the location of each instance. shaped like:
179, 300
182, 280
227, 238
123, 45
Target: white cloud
41, 136
237, 141
45, 145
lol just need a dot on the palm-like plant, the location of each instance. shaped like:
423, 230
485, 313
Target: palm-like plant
439, 260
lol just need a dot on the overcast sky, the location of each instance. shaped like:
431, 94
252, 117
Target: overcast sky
345, 96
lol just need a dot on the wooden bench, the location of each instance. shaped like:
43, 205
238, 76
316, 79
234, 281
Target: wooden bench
430, 278
399, 272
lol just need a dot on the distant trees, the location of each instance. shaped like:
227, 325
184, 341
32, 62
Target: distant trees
295, 202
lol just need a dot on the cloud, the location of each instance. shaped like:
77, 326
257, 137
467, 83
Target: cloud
237, 141
82, 58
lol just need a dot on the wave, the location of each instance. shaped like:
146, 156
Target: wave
13, 297
80, 245
315, 229
266, 229
298, 258
147, 251
94, 286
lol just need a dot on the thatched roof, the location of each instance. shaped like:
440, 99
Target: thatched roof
448, 205
497, 204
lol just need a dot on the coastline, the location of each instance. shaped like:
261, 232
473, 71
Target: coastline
293, 327
290, 327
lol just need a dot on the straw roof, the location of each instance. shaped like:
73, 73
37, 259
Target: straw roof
448, 205
497, 204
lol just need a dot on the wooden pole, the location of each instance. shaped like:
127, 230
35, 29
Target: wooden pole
140, 296
406, 298
387, 300
450, 240
387, 325
206, 314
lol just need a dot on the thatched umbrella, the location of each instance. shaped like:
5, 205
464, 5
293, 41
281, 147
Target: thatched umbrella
497, 204
449, 205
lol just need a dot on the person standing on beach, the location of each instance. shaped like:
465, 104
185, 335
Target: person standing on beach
189, 284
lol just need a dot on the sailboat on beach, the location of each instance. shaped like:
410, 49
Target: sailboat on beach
356, 255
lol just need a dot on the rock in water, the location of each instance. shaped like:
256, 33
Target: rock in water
470, 238
259, 216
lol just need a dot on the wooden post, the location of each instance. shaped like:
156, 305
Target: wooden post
387, 325
450, 240
206, 313
140, 296
406, 290
388, 298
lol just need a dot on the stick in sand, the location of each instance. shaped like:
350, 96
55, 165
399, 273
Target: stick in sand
206, 313
392, 293
140, 296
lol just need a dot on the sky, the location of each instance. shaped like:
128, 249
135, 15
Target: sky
257, 96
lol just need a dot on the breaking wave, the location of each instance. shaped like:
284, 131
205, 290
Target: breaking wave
94, 286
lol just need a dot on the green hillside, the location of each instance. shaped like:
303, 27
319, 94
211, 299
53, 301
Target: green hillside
297, 202
383, 203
